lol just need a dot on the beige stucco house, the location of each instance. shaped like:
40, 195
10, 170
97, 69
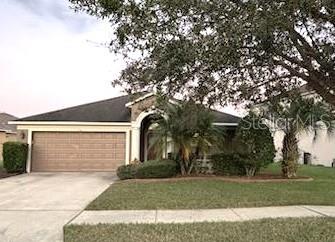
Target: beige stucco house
98, 136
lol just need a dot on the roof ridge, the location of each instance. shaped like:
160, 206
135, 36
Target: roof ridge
8, 114
72, 107
209, 108
218, 111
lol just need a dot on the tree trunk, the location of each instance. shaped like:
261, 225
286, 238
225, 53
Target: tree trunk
250, 171
182, 168
190, 168
186, 165
290, 155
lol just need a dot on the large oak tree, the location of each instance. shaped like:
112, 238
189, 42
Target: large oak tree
222, 50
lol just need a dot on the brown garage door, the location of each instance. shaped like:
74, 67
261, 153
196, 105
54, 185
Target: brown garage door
64, 151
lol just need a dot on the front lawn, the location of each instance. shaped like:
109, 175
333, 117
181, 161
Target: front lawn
306, 229
213, 193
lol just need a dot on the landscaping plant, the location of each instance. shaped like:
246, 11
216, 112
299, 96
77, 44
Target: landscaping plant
156, 169
254, 144
252, 149
15, 156
148, 169
127, 171
190, 127
293, 116
228, 164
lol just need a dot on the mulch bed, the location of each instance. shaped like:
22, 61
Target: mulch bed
264, 177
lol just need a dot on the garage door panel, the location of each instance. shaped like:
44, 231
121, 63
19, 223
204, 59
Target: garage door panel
65, 151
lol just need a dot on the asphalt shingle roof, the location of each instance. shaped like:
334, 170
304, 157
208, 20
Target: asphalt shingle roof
110, 110
4, 126
221, 117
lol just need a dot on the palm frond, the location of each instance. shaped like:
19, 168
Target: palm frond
301, 114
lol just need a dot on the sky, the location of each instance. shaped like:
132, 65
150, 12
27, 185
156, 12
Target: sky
52, 57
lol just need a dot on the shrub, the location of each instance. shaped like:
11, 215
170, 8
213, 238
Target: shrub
157, 169
254, 144
227, 165
126, 172
15, 156
252, 149
148, 169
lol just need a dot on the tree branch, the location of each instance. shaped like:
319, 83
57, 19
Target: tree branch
292, 70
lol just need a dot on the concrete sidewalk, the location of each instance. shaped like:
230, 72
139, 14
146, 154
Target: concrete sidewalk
201, 215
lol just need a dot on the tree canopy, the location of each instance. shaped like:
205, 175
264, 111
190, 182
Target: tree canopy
223, 50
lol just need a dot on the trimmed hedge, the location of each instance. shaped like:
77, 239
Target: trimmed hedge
126, 172
227, 165
148, 169
15, 156
157, 169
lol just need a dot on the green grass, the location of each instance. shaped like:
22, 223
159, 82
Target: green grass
211, 193
1, 165
277, 230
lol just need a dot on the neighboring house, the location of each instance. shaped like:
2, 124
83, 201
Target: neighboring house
7, 131
98, 136
313, 150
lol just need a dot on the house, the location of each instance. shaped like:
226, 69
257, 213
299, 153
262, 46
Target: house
98, 136
7, 131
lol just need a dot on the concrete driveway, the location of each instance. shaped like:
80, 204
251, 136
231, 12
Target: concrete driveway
34, 207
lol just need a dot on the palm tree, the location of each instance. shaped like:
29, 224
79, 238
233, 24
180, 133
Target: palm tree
189, 126
294, 116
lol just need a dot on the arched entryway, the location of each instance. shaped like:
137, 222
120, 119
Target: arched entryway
142, 132
149, 149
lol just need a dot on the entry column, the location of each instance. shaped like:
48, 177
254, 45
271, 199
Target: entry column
135, 143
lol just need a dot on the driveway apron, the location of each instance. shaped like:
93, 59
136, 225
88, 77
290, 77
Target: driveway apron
36, 206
